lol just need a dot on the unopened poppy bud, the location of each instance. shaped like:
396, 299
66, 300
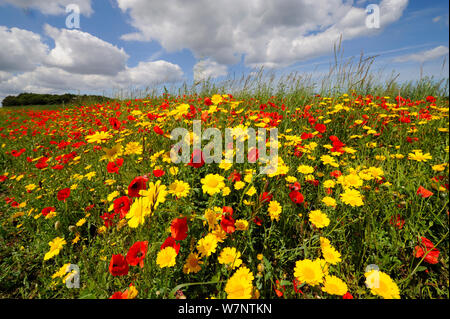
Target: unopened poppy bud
255, 294
121, 224
57, 225
260, 267
72, 228
180, 295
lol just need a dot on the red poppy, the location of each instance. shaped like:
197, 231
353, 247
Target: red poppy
63, 194
397, 221
115, 123
45, 211
314, 182
78, 144
205, 116
305, 136
17, 153
170, 242
119, 295
432, 254
42, 163
118, 265
208, 101
108, 219
3, 178
113, 167
296, 197
336, 174
297, 284
337, 144
431, 99
197, 159
257, 221
320, 127
265, 197
334, 138
234, 177
227, 210
295, 187
158, 172
136, 253
404, 119
347, 296
278, 288
425, 193
227, 222
158, 130
62, 145
136, 185
298, 150
121, 206
179, 228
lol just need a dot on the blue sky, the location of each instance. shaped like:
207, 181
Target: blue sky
123, 44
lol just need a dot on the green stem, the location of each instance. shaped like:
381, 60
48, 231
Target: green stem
174, 290
166, 284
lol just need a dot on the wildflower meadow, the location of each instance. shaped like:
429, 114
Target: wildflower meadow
93, 206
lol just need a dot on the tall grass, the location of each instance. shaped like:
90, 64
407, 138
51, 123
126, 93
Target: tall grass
354, 74
344, 75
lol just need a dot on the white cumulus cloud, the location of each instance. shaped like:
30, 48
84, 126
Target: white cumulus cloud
45, 79
424, 56
51, 7
208, 69
78, 62
270, 33
80, 52
15, 53
151, 72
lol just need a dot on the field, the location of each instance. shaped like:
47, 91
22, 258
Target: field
357, 207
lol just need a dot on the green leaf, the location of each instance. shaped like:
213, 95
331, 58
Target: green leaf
422, 268
285, 283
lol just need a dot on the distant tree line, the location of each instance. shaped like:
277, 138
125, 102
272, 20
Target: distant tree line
49, 99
